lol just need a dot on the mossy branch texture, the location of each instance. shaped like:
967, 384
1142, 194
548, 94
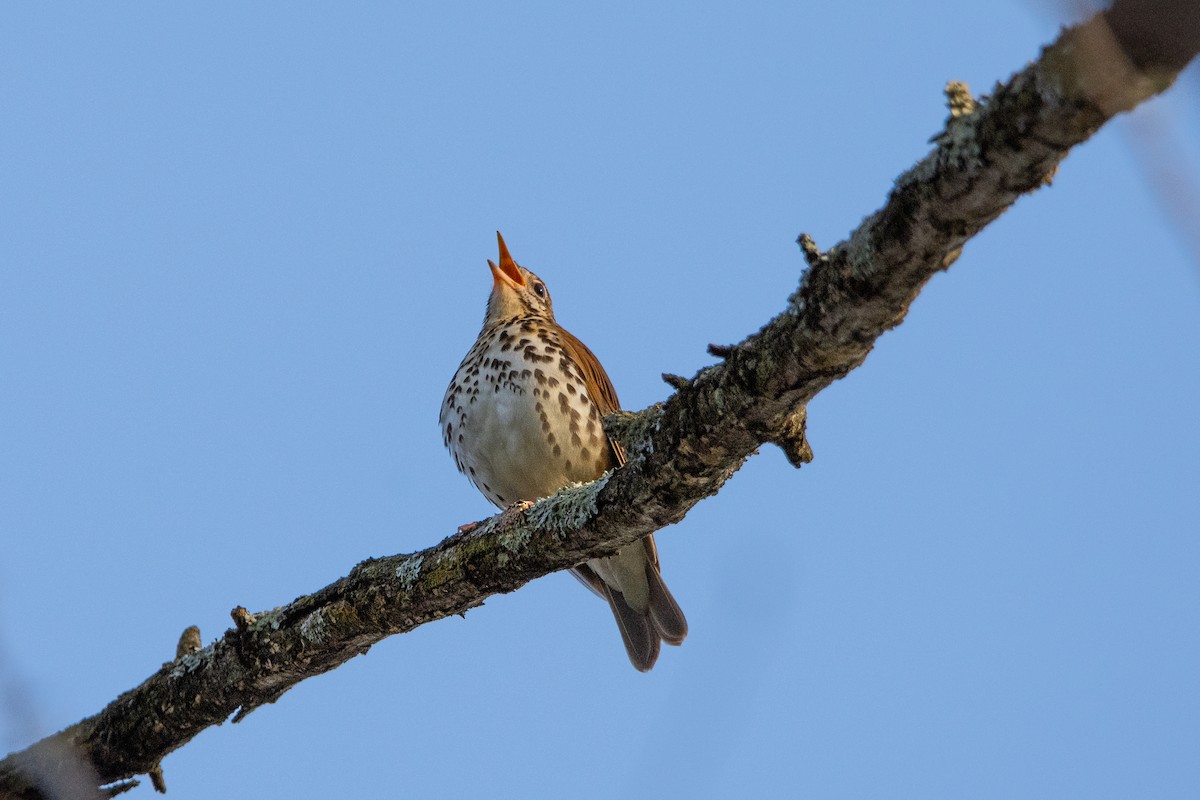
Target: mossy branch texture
990, 152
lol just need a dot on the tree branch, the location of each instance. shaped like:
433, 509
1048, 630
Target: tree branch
685, 449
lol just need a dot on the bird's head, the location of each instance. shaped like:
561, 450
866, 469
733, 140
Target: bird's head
516, 292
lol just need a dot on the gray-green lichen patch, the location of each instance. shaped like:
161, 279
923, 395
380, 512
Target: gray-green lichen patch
314, 629
568, 510
272, 619
191, 662
409, 570
514, 539
633, 430
511, 533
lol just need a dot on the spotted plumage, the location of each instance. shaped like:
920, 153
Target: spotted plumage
522, 418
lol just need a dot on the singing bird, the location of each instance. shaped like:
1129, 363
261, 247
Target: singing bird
522, 419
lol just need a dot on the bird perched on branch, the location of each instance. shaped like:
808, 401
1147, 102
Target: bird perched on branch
523, 418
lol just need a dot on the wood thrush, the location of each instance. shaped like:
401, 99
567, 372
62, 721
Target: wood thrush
522, 419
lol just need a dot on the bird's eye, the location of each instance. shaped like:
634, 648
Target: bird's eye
539, 289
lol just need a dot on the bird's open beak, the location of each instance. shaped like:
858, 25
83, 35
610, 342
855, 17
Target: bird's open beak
507, 272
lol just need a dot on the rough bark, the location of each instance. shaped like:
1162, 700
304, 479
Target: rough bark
681, 451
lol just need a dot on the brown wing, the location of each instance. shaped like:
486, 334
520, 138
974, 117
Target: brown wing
595, 380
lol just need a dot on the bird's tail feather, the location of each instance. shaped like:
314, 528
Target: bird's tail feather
665, 613
640, 637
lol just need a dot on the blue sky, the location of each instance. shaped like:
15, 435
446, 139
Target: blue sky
244, 250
